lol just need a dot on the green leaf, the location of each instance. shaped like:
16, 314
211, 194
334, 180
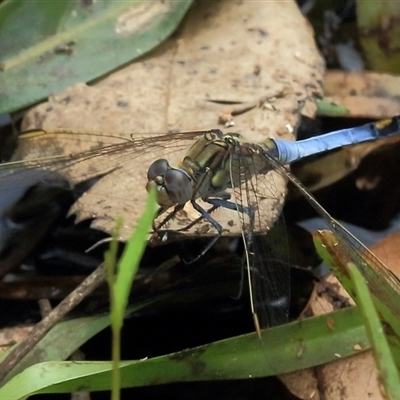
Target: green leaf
297, 345
55, 347
383, 357
46, 46
379, 34
331, 109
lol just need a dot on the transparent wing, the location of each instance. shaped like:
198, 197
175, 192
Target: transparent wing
258, 202
79, 156
356, 251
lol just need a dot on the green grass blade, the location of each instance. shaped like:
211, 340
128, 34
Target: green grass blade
129, 263
54, 347
120, 277
298, 345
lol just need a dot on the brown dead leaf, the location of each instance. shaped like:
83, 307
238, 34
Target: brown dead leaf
329, 295
11, 336
364, 94
388, 251
240, 52
353, 377
349, 378
303, 384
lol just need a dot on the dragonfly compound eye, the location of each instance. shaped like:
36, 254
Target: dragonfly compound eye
158, 168
179, 185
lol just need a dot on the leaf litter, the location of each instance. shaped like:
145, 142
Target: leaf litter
181, 87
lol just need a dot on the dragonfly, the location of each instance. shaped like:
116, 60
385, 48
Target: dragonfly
231, 172
217, 162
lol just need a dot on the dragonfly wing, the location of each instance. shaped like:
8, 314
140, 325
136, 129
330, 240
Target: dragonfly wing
80, 156
356, 251
269, 276
92, 154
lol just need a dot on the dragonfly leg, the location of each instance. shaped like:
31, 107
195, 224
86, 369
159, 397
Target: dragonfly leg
248, 242
231, 206
216, 203
160, 211
197, 220
205, 215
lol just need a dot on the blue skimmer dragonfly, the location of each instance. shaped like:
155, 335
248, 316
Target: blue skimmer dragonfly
224, 171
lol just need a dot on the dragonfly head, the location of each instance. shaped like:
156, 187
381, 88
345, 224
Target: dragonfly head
173, 185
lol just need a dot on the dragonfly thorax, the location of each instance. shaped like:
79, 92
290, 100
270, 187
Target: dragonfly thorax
205, 170
173, 185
